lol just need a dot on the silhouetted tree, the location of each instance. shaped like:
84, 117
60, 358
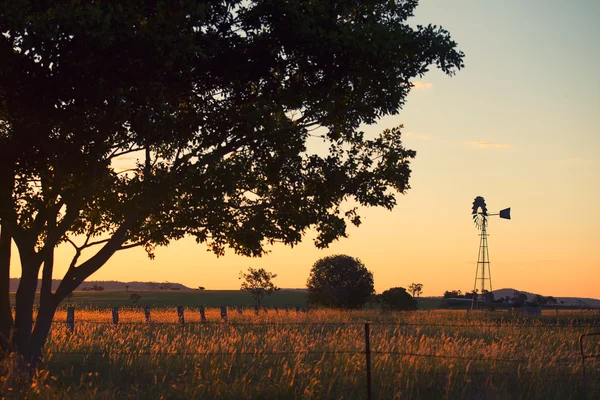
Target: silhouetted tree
415, 289
398, 299
340, 281
452, 294
259, 283
216, 100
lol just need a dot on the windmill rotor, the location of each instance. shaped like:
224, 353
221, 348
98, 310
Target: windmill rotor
479, 212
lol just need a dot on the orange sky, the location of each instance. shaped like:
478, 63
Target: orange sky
518, 126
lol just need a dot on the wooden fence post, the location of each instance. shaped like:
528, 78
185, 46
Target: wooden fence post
224, 313
239, 310
256, 310
71, 318
115, 315
180, 315
368, 359
202, 314
147, 313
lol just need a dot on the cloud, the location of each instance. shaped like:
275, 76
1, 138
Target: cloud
422, 85
487, 145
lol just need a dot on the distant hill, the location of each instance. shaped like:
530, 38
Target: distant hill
111, 285
568, 301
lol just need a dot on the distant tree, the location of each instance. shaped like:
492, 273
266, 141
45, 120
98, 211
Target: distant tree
398, 299
94, 287
453, 294
135, 298
201, 288
415, 288
488, 297
127, 288
340, 281
259, 283
551, 300
541, 300
472, 294
152, 285
562, 302
520, 299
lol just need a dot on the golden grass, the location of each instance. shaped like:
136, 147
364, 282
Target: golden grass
320, 355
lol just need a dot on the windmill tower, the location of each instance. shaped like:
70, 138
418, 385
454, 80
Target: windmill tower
483, 272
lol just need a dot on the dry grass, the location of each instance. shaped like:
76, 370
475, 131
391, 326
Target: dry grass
320, 354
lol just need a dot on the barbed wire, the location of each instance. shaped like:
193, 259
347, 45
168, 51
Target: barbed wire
542, 361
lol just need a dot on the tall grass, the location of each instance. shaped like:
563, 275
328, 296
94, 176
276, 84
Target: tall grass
320, 355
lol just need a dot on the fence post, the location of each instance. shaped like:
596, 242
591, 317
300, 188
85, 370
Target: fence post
147, 313
368, 359
256, 310
71, 318
276, 310
297, 310
224, 313
115, 315
287, 309
180, 315
239, 310
202, 314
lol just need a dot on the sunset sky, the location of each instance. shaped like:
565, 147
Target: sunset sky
519, 125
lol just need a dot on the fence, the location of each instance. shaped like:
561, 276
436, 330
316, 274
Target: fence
367, 351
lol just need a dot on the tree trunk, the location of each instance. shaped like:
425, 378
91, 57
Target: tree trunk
6, 319
24, 307
43, 323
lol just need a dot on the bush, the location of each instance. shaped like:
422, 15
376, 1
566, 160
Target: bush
398, 299
340, 281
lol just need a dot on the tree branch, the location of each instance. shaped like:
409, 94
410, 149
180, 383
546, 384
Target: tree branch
76, 275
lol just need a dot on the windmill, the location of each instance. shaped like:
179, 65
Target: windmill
483, 273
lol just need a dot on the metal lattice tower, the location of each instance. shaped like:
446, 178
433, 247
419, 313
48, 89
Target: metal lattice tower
483, 273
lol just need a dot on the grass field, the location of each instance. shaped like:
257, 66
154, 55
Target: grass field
186, 298
317, 355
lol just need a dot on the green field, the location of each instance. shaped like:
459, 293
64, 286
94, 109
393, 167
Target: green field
195, 298
187, 298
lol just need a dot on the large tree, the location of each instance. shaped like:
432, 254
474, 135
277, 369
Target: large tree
217, 101
340, 281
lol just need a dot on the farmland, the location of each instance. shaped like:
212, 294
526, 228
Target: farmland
319, 354
188, 298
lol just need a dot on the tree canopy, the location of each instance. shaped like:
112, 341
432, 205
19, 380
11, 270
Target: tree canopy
340, 281
135, 123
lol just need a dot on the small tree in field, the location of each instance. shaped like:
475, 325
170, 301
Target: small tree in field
258, 283
340, 281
